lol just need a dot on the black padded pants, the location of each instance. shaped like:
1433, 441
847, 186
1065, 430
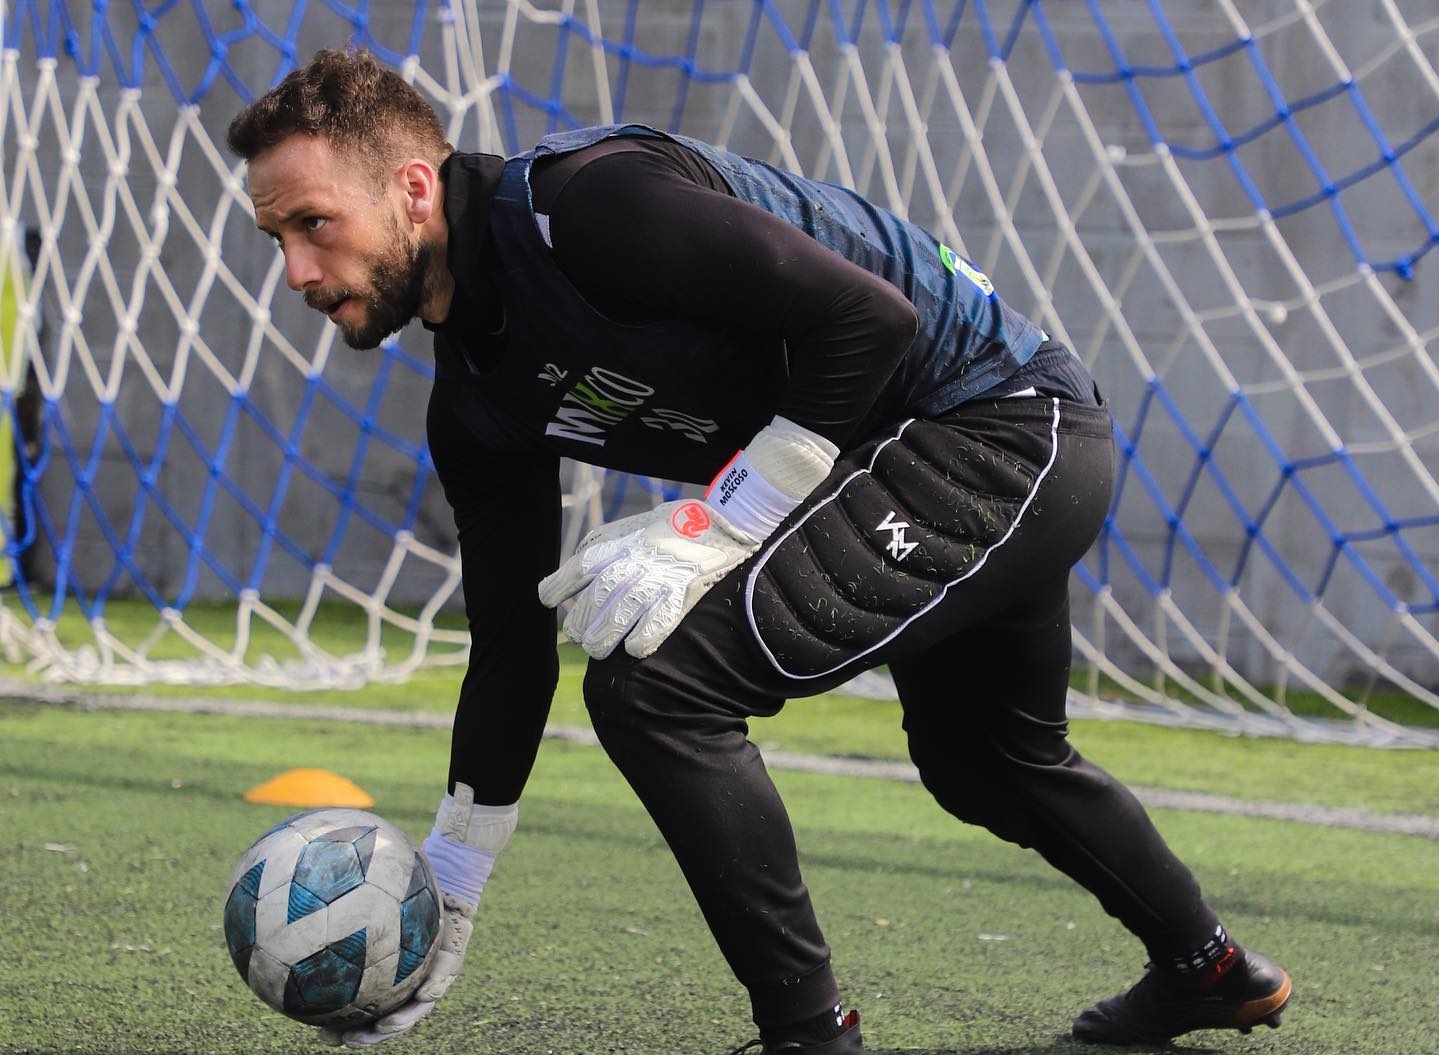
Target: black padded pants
942, 548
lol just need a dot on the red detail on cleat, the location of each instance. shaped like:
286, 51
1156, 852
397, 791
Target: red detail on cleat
1215, 972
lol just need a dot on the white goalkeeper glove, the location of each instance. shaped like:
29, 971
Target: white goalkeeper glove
461, 849
634, 579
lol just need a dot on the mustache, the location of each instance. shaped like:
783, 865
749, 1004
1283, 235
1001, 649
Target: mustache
320, 299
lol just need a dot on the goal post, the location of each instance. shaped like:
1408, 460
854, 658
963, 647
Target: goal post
1228, 208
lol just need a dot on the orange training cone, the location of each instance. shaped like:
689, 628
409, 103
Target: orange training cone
309, 787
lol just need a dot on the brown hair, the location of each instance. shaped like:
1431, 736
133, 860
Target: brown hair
364, 109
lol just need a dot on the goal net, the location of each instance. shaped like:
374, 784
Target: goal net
1227, 208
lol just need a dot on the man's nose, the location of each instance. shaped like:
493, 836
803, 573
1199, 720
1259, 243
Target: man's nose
300, 270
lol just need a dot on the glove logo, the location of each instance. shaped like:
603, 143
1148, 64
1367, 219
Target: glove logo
690, 520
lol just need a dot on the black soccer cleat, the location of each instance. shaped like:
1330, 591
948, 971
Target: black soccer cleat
1157, 1009
847, 1043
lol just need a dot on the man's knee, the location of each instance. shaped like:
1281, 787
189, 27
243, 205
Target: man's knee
627, 735
627, 698
962, 786
984, 786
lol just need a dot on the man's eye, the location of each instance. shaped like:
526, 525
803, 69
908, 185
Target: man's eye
314, 223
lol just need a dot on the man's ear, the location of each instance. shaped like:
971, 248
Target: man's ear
420, 183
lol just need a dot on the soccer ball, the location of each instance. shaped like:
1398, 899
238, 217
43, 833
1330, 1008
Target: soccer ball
332, 917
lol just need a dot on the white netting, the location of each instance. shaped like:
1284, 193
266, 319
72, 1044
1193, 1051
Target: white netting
1227, 209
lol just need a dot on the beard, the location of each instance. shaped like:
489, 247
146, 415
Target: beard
392, 296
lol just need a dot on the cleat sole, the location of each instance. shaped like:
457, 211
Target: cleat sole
1265, 1012
1100, 1025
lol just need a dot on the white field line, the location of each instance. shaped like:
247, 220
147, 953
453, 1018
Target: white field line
1160, 798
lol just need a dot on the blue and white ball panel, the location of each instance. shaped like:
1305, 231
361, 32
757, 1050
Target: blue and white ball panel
391, 863
311, 823
366, 908
419, 919
331, 866
388, 870
278, 849
329, 980
268, 977
240, 917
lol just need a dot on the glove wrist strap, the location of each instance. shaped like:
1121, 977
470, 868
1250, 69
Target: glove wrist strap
461, 871
466, 840
762, 484
752, 505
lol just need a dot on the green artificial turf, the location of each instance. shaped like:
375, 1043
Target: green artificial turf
119, 831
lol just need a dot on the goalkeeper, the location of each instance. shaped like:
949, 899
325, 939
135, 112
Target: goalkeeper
901, 470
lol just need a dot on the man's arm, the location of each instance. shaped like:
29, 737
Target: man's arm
507, 511
638, 235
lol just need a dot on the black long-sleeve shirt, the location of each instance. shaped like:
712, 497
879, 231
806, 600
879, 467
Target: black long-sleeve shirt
647, 229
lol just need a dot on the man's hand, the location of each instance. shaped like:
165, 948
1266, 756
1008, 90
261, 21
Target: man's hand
461, 848
634, 580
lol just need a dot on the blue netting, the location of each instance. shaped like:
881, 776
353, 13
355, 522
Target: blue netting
1211, 491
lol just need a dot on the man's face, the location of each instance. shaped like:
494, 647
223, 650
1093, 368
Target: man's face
348, 246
